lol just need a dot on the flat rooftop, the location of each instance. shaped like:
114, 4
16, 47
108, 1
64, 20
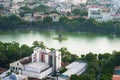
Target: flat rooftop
75, 68
36, 66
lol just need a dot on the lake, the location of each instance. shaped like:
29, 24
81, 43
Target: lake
77, 43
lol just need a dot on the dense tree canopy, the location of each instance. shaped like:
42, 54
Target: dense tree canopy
79, 12
75, 25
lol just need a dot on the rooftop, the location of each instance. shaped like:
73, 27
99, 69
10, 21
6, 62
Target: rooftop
2, 70
117, 67
116, 77
75, 68
37, 66
26, 60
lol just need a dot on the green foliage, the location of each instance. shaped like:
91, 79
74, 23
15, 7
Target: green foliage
63, 70
38, 44
80, 12
67, 56
74, 77
99, 66
41, 8
75, 25
10, 52
26, 9
11, 22
47, 20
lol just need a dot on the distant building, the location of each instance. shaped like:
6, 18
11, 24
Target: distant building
74, 2
64, 7
16, 1
55, 17
95, 13
73, 17
78, 2
75, 67
116, 75
38, 16
15, 9
28, 17
42, 63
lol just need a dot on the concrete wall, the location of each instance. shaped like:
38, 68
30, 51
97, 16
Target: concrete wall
37, 75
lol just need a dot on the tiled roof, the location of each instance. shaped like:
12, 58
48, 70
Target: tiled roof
2, 70
117, 67
116, 77
26, 61
73, 17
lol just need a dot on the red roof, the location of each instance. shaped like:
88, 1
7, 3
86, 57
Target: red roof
73, 17
2, 70
116, 77
117, 67
26, 61
64, 64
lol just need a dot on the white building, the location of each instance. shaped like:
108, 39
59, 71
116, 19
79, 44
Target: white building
41, 64
74, 2
28, 17
63, 7
55, 17
116, 2
107, 16
16, 1
75, 67
95, 13
77, 2
15, 9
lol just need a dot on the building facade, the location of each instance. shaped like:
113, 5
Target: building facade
42, 63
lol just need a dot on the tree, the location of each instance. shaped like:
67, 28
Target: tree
72, 25
100, 56
80, 12
62, 20
63, 70
90, 57
76, 11
47, 19
74, 77
106, 56
38, 44
25, 50
3, 60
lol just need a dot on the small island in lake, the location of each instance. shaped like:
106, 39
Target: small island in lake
60, 38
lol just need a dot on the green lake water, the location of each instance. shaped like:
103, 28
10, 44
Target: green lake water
77, 43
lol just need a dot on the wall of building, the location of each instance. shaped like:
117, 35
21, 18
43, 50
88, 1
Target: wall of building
37, 75
16, 66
